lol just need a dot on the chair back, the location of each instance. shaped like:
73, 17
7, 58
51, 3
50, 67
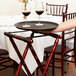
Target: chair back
56, 10
69, 35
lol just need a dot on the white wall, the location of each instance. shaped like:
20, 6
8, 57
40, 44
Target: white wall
10, 7
13, 7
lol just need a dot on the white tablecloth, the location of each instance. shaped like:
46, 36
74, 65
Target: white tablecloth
6, 24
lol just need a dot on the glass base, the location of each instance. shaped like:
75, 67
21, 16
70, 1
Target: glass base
26, 25
39, 24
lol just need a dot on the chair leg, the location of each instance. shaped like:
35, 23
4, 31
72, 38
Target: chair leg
15, 65
65, 67
53, 63
37, 72
62, 65
47, 55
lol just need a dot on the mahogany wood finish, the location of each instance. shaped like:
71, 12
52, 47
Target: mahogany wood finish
62, 49
29, 46
56, 10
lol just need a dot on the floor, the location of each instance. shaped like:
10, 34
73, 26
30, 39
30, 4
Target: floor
11, 72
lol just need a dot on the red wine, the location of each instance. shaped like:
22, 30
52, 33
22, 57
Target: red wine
26, 13
39, 12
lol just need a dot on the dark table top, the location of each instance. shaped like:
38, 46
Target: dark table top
31, 25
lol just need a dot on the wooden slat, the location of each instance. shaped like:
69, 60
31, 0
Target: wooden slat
56, 10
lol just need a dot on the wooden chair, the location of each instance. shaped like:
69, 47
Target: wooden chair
63, 50
56, 10
4, 60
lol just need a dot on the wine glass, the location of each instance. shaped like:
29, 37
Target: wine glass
26, 11
39, 8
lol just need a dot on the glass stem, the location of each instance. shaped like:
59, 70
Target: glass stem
39, 19
26, 20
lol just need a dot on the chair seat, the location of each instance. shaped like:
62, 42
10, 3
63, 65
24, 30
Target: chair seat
57, 51
3, 52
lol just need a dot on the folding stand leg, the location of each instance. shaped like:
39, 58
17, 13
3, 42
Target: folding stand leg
19, 67
21, 58
50, 57
36, 57
24, 55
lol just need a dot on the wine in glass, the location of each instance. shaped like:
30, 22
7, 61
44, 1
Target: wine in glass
39, 10
26, 11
